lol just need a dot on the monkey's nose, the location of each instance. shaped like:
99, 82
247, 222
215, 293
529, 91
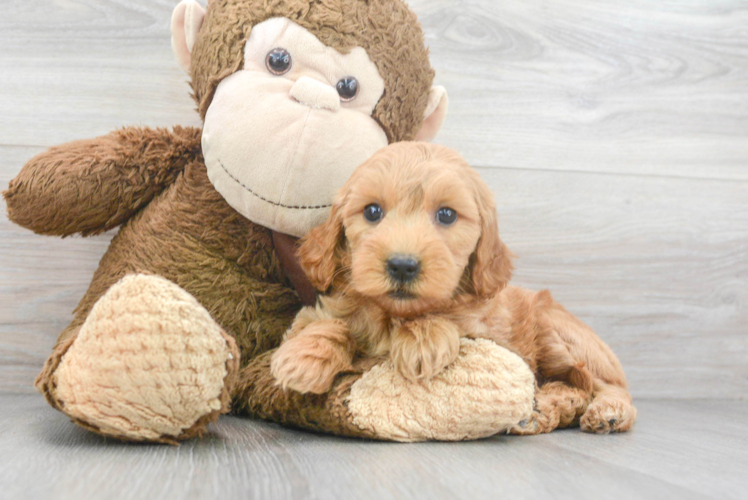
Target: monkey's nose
403, 268
315, 94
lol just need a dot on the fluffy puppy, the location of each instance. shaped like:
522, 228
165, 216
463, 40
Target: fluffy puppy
411, 260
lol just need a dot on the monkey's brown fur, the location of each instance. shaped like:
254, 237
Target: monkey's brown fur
153, 182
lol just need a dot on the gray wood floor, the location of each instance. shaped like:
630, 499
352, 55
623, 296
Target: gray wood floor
679, 450
615, 136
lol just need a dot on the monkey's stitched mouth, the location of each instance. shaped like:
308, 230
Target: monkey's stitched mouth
271, 202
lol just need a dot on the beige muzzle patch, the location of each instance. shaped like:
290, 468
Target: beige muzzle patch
487, 390
148, 362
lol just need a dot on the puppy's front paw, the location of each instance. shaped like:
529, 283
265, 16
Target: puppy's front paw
309, 361
607, 415
422, 348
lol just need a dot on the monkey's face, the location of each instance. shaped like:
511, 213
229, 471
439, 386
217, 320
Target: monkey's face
286, 131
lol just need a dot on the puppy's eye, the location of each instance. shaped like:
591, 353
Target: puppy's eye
347, 88
373, 213
446, 216
278, 61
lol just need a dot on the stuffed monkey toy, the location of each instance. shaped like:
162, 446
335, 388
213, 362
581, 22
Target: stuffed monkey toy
200, 283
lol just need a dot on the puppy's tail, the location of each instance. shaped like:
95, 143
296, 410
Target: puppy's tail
579, 376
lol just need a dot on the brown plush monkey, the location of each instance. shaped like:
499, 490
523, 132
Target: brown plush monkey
196, 288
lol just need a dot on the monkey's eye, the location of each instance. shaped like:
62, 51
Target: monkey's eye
347, 88
446, 216
278, 61
373, 213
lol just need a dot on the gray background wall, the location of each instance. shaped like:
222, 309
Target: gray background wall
614, 134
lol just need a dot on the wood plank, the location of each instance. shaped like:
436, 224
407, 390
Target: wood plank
73, 70
691, 439
607, 86
603, 86
671, 453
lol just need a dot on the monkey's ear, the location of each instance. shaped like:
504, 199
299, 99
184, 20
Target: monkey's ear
433, 117
185, 23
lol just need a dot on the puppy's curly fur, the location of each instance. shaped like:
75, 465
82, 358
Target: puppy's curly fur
458, 288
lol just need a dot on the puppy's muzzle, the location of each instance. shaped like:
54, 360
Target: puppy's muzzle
403, 268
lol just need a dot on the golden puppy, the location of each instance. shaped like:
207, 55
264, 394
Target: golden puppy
411, 260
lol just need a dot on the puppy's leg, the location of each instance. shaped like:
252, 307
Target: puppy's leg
313, 353
557, 405
610, 411
569, 350
423, 347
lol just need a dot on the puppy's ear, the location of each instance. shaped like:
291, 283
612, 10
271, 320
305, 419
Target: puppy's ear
491, 263
318, 252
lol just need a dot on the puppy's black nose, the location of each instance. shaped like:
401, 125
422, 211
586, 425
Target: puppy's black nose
403, 268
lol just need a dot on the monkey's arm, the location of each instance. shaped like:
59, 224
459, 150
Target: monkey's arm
93, 185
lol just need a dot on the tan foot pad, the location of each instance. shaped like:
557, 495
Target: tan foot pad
149, 363
487, 390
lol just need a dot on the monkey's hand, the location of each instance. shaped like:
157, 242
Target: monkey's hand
309, 360
93, 185
422, 348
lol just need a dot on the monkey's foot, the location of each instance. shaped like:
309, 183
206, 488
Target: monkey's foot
149, 364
